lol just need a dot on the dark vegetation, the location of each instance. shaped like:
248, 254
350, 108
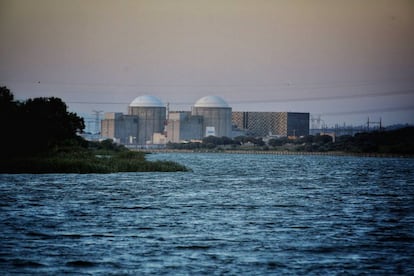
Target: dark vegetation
399, 141
40, 136
219, 143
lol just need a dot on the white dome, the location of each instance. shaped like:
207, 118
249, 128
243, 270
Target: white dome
147, 101
211, 101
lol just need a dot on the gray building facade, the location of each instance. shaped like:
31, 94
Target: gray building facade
146, 116
272, 123
216, 115
122, 128
151, 115
182, 126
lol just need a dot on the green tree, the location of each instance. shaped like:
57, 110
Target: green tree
6, 98
49, 122
9, 121
322, 139
278, 142
35, 125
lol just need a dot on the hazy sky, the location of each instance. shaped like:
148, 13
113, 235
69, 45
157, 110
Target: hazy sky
317, 56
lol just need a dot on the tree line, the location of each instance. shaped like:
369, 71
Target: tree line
399, 141
41, 136
35, 125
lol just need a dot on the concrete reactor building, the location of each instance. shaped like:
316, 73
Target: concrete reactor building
216, 115
146, 116
151, 115
119, 127
210, 116
182, 126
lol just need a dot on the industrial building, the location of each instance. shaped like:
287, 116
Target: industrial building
210, 115
147, 123
146, 116
216, 115
151, 114
121, 128
272, 123
182, 126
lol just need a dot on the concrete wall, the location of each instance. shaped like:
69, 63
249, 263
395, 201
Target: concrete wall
182, 126
150, 120
108, 128
120, 127
217, 117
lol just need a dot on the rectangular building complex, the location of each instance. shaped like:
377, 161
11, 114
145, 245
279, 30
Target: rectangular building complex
272, 123
122, 128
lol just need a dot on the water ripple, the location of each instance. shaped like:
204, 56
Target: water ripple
233, 214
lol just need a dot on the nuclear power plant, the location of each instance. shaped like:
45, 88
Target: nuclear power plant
146, 116
150, 113
148, 123
216, 115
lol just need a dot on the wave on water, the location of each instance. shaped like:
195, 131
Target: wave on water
232, 214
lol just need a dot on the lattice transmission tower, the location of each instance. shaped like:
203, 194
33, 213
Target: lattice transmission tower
97, 114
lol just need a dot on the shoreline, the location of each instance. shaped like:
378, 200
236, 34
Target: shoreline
274, 152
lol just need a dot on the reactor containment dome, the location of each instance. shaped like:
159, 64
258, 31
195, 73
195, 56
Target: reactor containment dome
211, 101
216, 115
149, 113
146, 101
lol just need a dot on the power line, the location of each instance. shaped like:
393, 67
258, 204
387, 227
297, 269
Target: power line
285, 84
282, 100
337, 97
90, 102
366, 111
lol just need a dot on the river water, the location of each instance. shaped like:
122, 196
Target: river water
233, 214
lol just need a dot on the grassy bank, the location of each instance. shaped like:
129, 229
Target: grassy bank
87, 161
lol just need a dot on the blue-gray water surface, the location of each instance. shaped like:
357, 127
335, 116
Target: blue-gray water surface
233, 214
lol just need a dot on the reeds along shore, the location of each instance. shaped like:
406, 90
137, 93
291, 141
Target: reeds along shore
87, 162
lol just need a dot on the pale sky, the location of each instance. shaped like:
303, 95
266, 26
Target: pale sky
344, 60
